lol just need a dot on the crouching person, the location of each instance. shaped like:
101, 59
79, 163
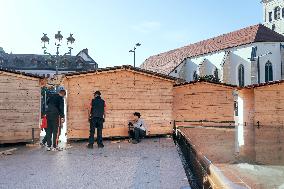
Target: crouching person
139, 128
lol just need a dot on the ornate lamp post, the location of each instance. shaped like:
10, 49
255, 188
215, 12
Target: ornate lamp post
133, 51
58, 42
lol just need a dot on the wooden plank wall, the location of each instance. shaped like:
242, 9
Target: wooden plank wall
203, 101
269, 111
247, 150
124, 92
19, 108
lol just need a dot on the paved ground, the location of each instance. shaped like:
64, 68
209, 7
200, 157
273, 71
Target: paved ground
154, 163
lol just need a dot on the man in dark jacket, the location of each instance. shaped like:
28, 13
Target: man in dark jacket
97, 118
55, 116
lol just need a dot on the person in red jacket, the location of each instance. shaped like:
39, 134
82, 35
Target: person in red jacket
44, 126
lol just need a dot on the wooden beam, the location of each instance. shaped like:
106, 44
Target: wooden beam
19, 76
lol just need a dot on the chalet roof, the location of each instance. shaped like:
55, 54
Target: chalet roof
205, 81
33, 61
87, 54
264, 84
20, 73
124, 67
166, 62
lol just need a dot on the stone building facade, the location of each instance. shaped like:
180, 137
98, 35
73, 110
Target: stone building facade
45, 65
247, 56
273, 15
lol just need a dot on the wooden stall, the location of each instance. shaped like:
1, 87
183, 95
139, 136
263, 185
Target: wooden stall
20, 101
245, 136
265, 121
203, 102
125, 89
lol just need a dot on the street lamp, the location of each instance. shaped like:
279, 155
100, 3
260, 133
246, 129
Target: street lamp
58, 42
133, 51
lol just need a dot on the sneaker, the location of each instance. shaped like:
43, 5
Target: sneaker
100, 145
134, 142
90, 146
55, 149
42, 144
48, 149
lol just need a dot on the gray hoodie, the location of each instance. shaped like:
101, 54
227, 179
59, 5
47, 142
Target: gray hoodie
140, 124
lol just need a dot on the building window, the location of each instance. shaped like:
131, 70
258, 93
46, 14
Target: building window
176, 71
268, 72
253, 53
241, 75
195, 76
270, 16
277, 13
282, 12
216, 74
273, 27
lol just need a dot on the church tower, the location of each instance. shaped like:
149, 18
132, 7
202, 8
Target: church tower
273, 15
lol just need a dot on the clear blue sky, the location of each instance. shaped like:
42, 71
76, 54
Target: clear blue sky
110, 28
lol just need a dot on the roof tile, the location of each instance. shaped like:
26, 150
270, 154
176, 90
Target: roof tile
165, 62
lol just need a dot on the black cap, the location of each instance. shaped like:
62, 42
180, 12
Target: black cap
137, 114
97, 93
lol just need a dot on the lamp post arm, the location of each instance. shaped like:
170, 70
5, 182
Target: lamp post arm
134, 58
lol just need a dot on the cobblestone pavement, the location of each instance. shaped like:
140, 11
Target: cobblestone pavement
153, 163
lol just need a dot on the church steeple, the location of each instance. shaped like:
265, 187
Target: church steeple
273, 15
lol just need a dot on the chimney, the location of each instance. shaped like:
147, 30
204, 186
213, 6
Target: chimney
85, 51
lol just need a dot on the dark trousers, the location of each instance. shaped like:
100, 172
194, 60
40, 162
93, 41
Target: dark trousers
52, 130
138, 134
44, 140
96, 123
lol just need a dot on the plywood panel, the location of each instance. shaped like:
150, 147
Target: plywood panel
203, 101
19, 108
124, 92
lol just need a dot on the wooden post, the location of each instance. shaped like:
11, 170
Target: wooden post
33, 135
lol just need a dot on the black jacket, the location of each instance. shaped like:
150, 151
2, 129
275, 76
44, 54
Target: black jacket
55, 105
98, 107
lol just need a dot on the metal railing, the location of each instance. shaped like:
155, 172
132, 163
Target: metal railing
196, 165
